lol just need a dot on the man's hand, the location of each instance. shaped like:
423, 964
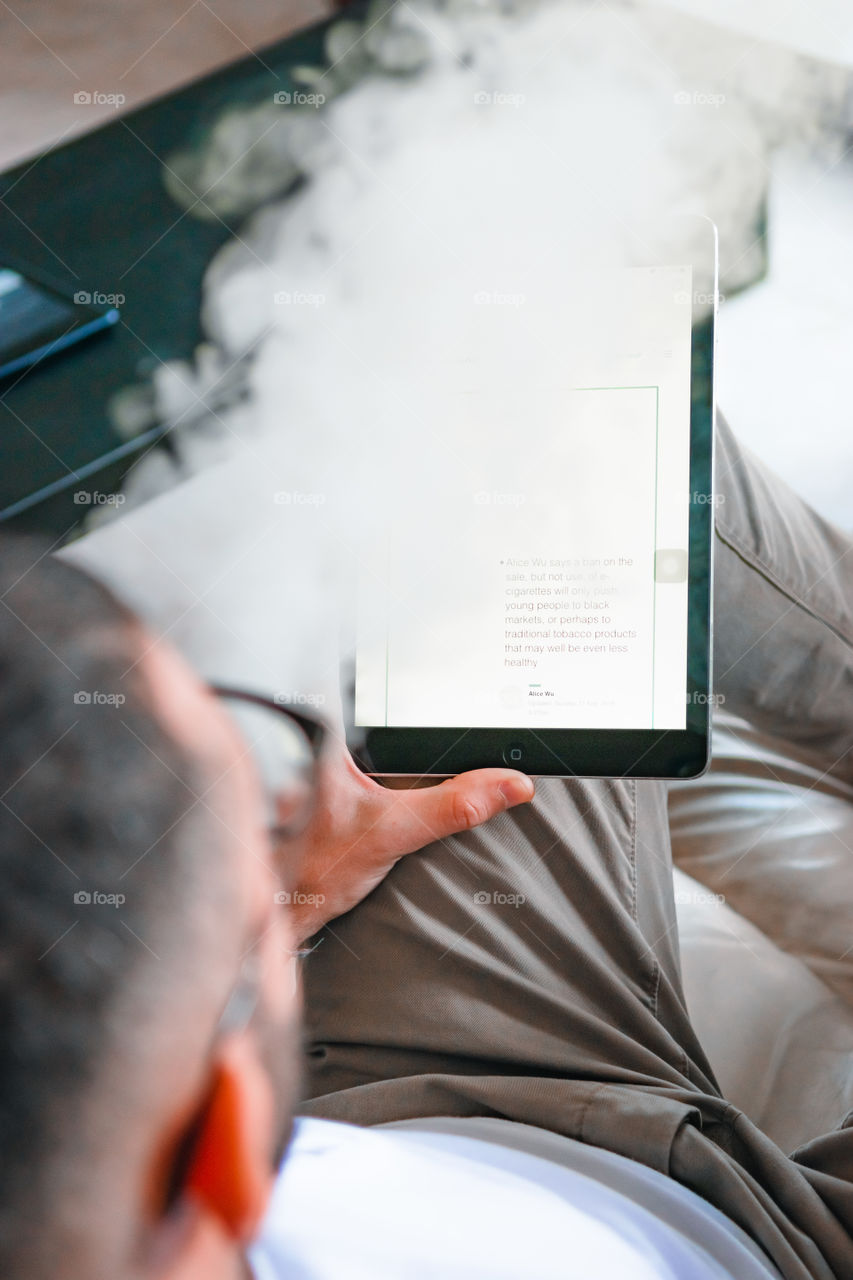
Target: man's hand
360, 829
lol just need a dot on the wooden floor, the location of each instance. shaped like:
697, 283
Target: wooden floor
52, 50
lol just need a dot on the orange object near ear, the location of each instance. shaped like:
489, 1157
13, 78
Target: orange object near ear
230, 1171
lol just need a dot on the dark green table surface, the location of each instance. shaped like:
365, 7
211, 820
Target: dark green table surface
94, 215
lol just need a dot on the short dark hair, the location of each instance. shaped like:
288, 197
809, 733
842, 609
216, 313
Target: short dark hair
94, 794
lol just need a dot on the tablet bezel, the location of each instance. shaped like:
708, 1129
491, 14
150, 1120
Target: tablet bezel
410, 752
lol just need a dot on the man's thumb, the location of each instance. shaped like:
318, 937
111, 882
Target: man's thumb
469, 800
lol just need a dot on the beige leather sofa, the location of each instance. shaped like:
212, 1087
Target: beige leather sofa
763, 848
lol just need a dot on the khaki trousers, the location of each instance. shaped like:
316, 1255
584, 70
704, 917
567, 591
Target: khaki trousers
529, 969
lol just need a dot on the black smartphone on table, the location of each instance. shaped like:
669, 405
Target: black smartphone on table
38, 319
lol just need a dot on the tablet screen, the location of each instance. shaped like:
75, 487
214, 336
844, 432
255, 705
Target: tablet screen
536, 572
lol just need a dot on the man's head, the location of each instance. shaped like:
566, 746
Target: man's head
138, 1128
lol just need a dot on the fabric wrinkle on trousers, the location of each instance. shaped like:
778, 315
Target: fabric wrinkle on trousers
529, 969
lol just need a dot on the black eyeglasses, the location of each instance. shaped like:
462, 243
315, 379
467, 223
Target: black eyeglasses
286, 746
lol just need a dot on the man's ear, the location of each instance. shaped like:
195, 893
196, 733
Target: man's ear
231, 1172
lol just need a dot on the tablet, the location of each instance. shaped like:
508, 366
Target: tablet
542, 597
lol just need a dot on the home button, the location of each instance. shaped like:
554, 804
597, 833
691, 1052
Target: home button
514, 755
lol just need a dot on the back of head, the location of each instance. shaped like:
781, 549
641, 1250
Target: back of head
102, 850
